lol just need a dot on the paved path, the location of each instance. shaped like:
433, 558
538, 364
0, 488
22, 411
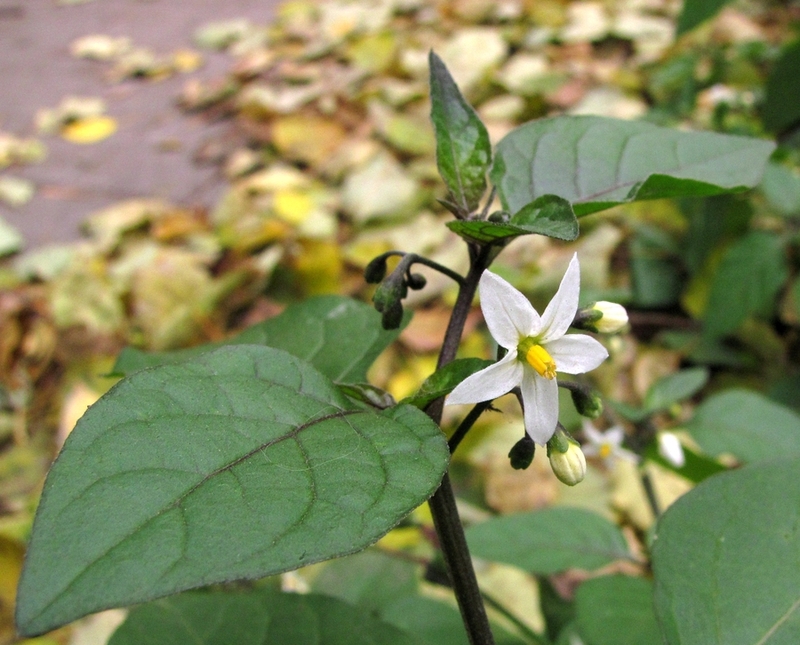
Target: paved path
37, 70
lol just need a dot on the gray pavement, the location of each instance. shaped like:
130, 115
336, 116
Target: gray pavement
37, 70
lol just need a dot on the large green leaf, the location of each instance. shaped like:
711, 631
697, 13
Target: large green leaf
387, 587
747, 425
725, 558
781, 107
548, 215
339, 336
697, 11
747, 282
241, 463
463, 150
549, 540
595, 162
616, 610
261, 617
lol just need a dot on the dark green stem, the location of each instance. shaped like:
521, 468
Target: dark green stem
418, 259
465, 426
449, 530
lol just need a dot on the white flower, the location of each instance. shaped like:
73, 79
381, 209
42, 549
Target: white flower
669, 447
537, 349
606, 445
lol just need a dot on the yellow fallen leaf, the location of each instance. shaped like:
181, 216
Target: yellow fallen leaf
187, 60
310, 139
292, 206
89, 130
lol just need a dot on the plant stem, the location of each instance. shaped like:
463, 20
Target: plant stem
452, 541
467, 423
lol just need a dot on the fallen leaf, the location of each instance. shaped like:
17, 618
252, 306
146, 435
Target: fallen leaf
89, 130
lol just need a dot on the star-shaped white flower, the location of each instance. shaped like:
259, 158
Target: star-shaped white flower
537, 350
606, 445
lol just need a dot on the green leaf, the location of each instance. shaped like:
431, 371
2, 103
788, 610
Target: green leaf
261, 617
443, 380
548, 215
745, 424
747, 282
735, 581
781, 187
241, 463
697, 11
675, 387
387, 587
370, 580
339, 336
463, 150
595, 162
549, 541
616, 610
781, 107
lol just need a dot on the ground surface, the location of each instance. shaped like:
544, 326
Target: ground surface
152, 152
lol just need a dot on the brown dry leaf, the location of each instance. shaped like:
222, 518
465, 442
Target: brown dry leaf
307, 138
426, 329
652, 363
172, 294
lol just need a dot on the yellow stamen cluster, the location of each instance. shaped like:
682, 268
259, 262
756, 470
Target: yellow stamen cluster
537, 357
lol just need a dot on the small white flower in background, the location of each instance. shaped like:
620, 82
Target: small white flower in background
606, 445
537, 349
670, 448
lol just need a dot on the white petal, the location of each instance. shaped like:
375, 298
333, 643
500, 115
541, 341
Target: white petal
540, 396
508, 314
614, 436
670, 448
593, 435
491, 382
576, 353
561, 310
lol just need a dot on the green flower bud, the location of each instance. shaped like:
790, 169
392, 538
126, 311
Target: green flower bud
566, 458
392, 315
587, 402
500, 217
521, 453
376, 270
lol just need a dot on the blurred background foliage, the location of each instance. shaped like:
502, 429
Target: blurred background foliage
329, 162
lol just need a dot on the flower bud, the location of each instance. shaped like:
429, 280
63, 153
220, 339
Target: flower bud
416, 281
604, 317
587, 402
392, 315
670, 448
569, 464
521, 454
376, 270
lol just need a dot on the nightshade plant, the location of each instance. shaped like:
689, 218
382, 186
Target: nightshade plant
270, 451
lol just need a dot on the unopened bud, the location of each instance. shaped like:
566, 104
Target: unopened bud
670, 448
604, 317
566, 459
392, 315
521, 453
376, 270
500, 217
416, 281
587, 402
